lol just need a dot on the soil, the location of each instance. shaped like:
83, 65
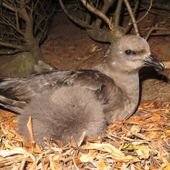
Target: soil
69, 47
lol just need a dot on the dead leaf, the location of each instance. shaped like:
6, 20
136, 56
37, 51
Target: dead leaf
143, 151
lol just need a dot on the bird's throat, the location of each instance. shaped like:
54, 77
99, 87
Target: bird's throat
128, 84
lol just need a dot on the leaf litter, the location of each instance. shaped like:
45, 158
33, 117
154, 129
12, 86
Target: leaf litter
139, 143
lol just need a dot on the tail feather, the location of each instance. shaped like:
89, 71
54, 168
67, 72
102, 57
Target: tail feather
11, 108
12, 105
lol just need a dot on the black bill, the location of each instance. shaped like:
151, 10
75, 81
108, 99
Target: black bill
151, 61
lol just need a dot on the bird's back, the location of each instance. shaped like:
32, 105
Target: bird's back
17, 91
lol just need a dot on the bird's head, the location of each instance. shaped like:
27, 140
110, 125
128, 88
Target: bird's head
130, 53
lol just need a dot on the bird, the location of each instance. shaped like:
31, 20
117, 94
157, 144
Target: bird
114, 83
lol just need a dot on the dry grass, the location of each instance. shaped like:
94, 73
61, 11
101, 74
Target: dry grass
140, 143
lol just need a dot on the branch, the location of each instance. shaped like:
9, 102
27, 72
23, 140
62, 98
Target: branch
6, 22
35, 5
160, 33
42, 35
42, 32
10, 52
104, 9
8, 6
9, 45
39, 22
17, 20
75, 20
117, 12
42, 15
42, 18
150, 6
132, 16
129, 25
98, 13
161, 5
150, 31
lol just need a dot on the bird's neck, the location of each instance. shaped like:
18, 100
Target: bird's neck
127, 83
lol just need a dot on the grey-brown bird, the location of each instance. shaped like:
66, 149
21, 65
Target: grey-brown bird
114, 83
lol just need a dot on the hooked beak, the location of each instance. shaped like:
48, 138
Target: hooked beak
151, 61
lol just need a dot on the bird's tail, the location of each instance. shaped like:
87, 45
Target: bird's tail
12, 105
8, 101
64, 113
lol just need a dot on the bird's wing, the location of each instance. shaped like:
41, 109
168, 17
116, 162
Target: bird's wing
16, 92
23, 89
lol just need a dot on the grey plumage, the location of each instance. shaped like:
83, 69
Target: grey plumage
115, 84
63, 113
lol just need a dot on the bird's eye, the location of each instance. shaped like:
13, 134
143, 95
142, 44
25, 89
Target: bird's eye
128, 52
